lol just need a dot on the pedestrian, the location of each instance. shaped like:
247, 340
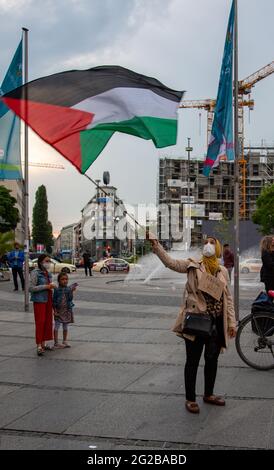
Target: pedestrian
87, 262
228, 258
41, 287
214, 305
267, 270
62, 307
16, 261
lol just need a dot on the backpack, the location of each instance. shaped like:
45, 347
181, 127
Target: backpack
263, 304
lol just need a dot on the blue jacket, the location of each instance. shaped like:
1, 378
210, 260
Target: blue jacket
16, 258
57, 297
38, 280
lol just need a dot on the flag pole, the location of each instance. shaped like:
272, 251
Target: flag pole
26, 175
236, 166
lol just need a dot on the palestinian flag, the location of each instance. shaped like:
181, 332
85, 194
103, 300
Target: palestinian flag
78, 111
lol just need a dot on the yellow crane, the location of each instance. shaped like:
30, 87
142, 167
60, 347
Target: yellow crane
245, 87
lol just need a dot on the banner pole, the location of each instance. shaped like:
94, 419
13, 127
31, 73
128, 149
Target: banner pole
26, 175
236, 167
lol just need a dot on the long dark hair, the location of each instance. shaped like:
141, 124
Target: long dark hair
40, 261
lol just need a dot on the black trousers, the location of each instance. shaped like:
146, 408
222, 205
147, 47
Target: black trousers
88, 267
19, 271
194, 351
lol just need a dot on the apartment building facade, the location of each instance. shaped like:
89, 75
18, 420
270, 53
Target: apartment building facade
211, 198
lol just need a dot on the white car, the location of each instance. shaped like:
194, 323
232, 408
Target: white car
56, 267
252, 265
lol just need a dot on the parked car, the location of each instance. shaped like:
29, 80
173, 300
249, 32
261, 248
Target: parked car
252, 265
55, 266
111, 264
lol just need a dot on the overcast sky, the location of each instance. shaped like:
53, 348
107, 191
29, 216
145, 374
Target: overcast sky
179, 42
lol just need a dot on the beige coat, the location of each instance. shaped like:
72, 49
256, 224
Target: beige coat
194, 300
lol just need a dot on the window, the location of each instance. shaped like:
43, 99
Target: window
255, 170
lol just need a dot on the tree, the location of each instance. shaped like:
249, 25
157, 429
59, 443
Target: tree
41, 227
9, 214
50, 241
6, 242
264, 214
222, 230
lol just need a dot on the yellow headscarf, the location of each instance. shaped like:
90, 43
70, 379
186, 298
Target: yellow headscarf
212, 263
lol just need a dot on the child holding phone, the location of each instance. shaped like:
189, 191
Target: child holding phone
62, 307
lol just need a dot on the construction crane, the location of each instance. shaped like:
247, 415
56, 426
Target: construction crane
54, 166
245, 87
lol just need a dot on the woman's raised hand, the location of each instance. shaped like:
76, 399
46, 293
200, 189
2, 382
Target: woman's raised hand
151, 237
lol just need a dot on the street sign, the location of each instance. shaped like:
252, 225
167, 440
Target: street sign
189, 149
184, 184
194, 210
174, 183
215, 216
187, 199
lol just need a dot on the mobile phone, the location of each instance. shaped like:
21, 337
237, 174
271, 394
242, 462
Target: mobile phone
74, 285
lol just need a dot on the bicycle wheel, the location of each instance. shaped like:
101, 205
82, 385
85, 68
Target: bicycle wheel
255, 341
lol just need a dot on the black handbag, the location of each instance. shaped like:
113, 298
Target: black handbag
198, 324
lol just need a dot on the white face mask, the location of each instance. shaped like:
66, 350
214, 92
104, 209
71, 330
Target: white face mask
46, 265
209, 250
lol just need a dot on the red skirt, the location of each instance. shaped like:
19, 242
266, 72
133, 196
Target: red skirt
43, 316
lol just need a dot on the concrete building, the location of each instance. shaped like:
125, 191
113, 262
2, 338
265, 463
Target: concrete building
213, 197
17, 190
66, 241
104, 228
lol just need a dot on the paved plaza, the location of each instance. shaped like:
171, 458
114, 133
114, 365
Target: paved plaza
120, 385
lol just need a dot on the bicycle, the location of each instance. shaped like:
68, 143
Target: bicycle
255, 339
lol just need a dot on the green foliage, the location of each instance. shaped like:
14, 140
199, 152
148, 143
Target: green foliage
41, 227
9, 214
50, 241
264, 214
6, 242
222, 231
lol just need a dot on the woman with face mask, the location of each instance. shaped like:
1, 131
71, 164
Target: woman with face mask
41, 287
200, 298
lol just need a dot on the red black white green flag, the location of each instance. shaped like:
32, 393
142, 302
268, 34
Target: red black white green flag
78, 111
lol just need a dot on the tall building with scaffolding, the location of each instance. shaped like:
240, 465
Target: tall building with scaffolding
212, 198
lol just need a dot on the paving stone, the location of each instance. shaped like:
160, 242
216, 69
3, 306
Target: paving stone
242, 423
22, 401
59, 412
143, 417
91, 376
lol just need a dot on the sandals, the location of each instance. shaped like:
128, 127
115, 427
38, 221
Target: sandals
66, 345
192, 407
40, 351
59, 346
214, 400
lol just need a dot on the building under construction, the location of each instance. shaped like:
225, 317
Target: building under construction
213, 198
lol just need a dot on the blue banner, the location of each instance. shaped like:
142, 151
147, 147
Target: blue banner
221, 139
10, 152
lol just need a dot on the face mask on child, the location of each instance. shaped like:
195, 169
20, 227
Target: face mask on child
208, 250
46, 265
